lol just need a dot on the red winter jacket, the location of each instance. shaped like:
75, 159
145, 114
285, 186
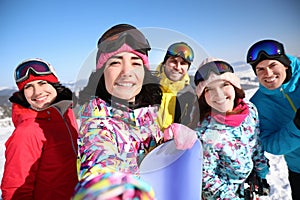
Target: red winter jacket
41, 154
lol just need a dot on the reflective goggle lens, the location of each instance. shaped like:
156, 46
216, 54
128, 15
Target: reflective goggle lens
218, 67
22, 71
131, 37
182, 50
269, 47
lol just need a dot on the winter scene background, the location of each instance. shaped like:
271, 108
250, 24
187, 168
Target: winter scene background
277, 178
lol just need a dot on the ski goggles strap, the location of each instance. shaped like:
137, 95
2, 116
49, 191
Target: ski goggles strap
36, 66
133, 38
270, 48
182, 50
218, 67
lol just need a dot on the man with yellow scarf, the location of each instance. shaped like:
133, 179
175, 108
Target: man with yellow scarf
179, 101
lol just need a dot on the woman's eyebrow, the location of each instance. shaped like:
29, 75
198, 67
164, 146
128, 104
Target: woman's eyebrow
135, 58
117, 57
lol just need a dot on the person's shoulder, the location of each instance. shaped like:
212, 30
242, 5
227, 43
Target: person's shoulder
27, 129
248, 102
293, 58
187, 89
252, 107
295, 63
256, 97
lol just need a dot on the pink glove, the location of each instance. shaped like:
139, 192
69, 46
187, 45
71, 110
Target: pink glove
183, 136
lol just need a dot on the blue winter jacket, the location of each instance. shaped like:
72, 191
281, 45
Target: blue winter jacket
279, 134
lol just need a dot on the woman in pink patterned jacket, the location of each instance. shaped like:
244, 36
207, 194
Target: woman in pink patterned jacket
118, 124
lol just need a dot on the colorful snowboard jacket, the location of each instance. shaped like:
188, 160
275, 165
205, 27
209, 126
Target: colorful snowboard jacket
279, 134
230, 154
112, 142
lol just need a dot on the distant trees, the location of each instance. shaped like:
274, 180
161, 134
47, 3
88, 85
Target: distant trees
5, 111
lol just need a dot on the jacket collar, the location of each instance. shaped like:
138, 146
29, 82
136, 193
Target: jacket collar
233, 120
20, 113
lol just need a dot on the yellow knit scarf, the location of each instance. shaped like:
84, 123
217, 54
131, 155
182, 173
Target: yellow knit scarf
170, 89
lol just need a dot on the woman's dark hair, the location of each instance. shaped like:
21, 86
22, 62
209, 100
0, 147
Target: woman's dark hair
150, 94
63, 93
205, 109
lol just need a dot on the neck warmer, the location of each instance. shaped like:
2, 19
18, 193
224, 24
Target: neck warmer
239, 113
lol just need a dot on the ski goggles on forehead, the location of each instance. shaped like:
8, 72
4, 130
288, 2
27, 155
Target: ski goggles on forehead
218, 67
268, 47
133, 38
183, 51
38, 67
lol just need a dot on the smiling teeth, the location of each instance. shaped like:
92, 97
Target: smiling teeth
41, 98
270, 80
125, 84
220, 101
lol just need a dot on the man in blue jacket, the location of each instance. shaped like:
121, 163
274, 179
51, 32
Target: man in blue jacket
278, 104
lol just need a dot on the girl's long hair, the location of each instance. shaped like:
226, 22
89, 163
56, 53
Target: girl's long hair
150, 93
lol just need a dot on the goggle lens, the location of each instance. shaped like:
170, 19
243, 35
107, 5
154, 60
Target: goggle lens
269, 47
22, 71
133, 38
182, 50
218, 67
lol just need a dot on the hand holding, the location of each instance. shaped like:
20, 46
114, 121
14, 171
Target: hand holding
183, 136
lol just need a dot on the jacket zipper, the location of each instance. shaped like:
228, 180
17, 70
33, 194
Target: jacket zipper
289, 100
69, 131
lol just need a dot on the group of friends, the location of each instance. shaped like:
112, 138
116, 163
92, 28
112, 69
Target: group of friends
126, 111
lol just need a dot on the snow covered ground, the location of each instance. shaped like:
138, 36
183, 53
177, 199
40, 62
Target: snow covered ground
6, 128
277, 178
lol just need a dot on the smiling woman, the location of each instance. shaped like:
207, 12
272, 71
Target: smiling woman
44, 141
118, 118
228, 129
118, 127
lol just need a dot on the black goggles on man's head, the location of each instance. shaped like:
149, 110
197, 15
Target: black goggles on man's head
218, 67
36, 66
270, 48
132, 37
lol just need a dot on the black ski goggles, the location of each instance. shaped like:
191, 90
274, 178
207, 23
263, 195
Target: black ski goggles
133, 38
36, 66
218, 67
270, 48
182, 50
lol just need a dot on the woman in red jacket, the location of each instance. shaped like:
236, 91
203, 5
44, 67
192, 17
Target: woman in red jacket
41, 152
